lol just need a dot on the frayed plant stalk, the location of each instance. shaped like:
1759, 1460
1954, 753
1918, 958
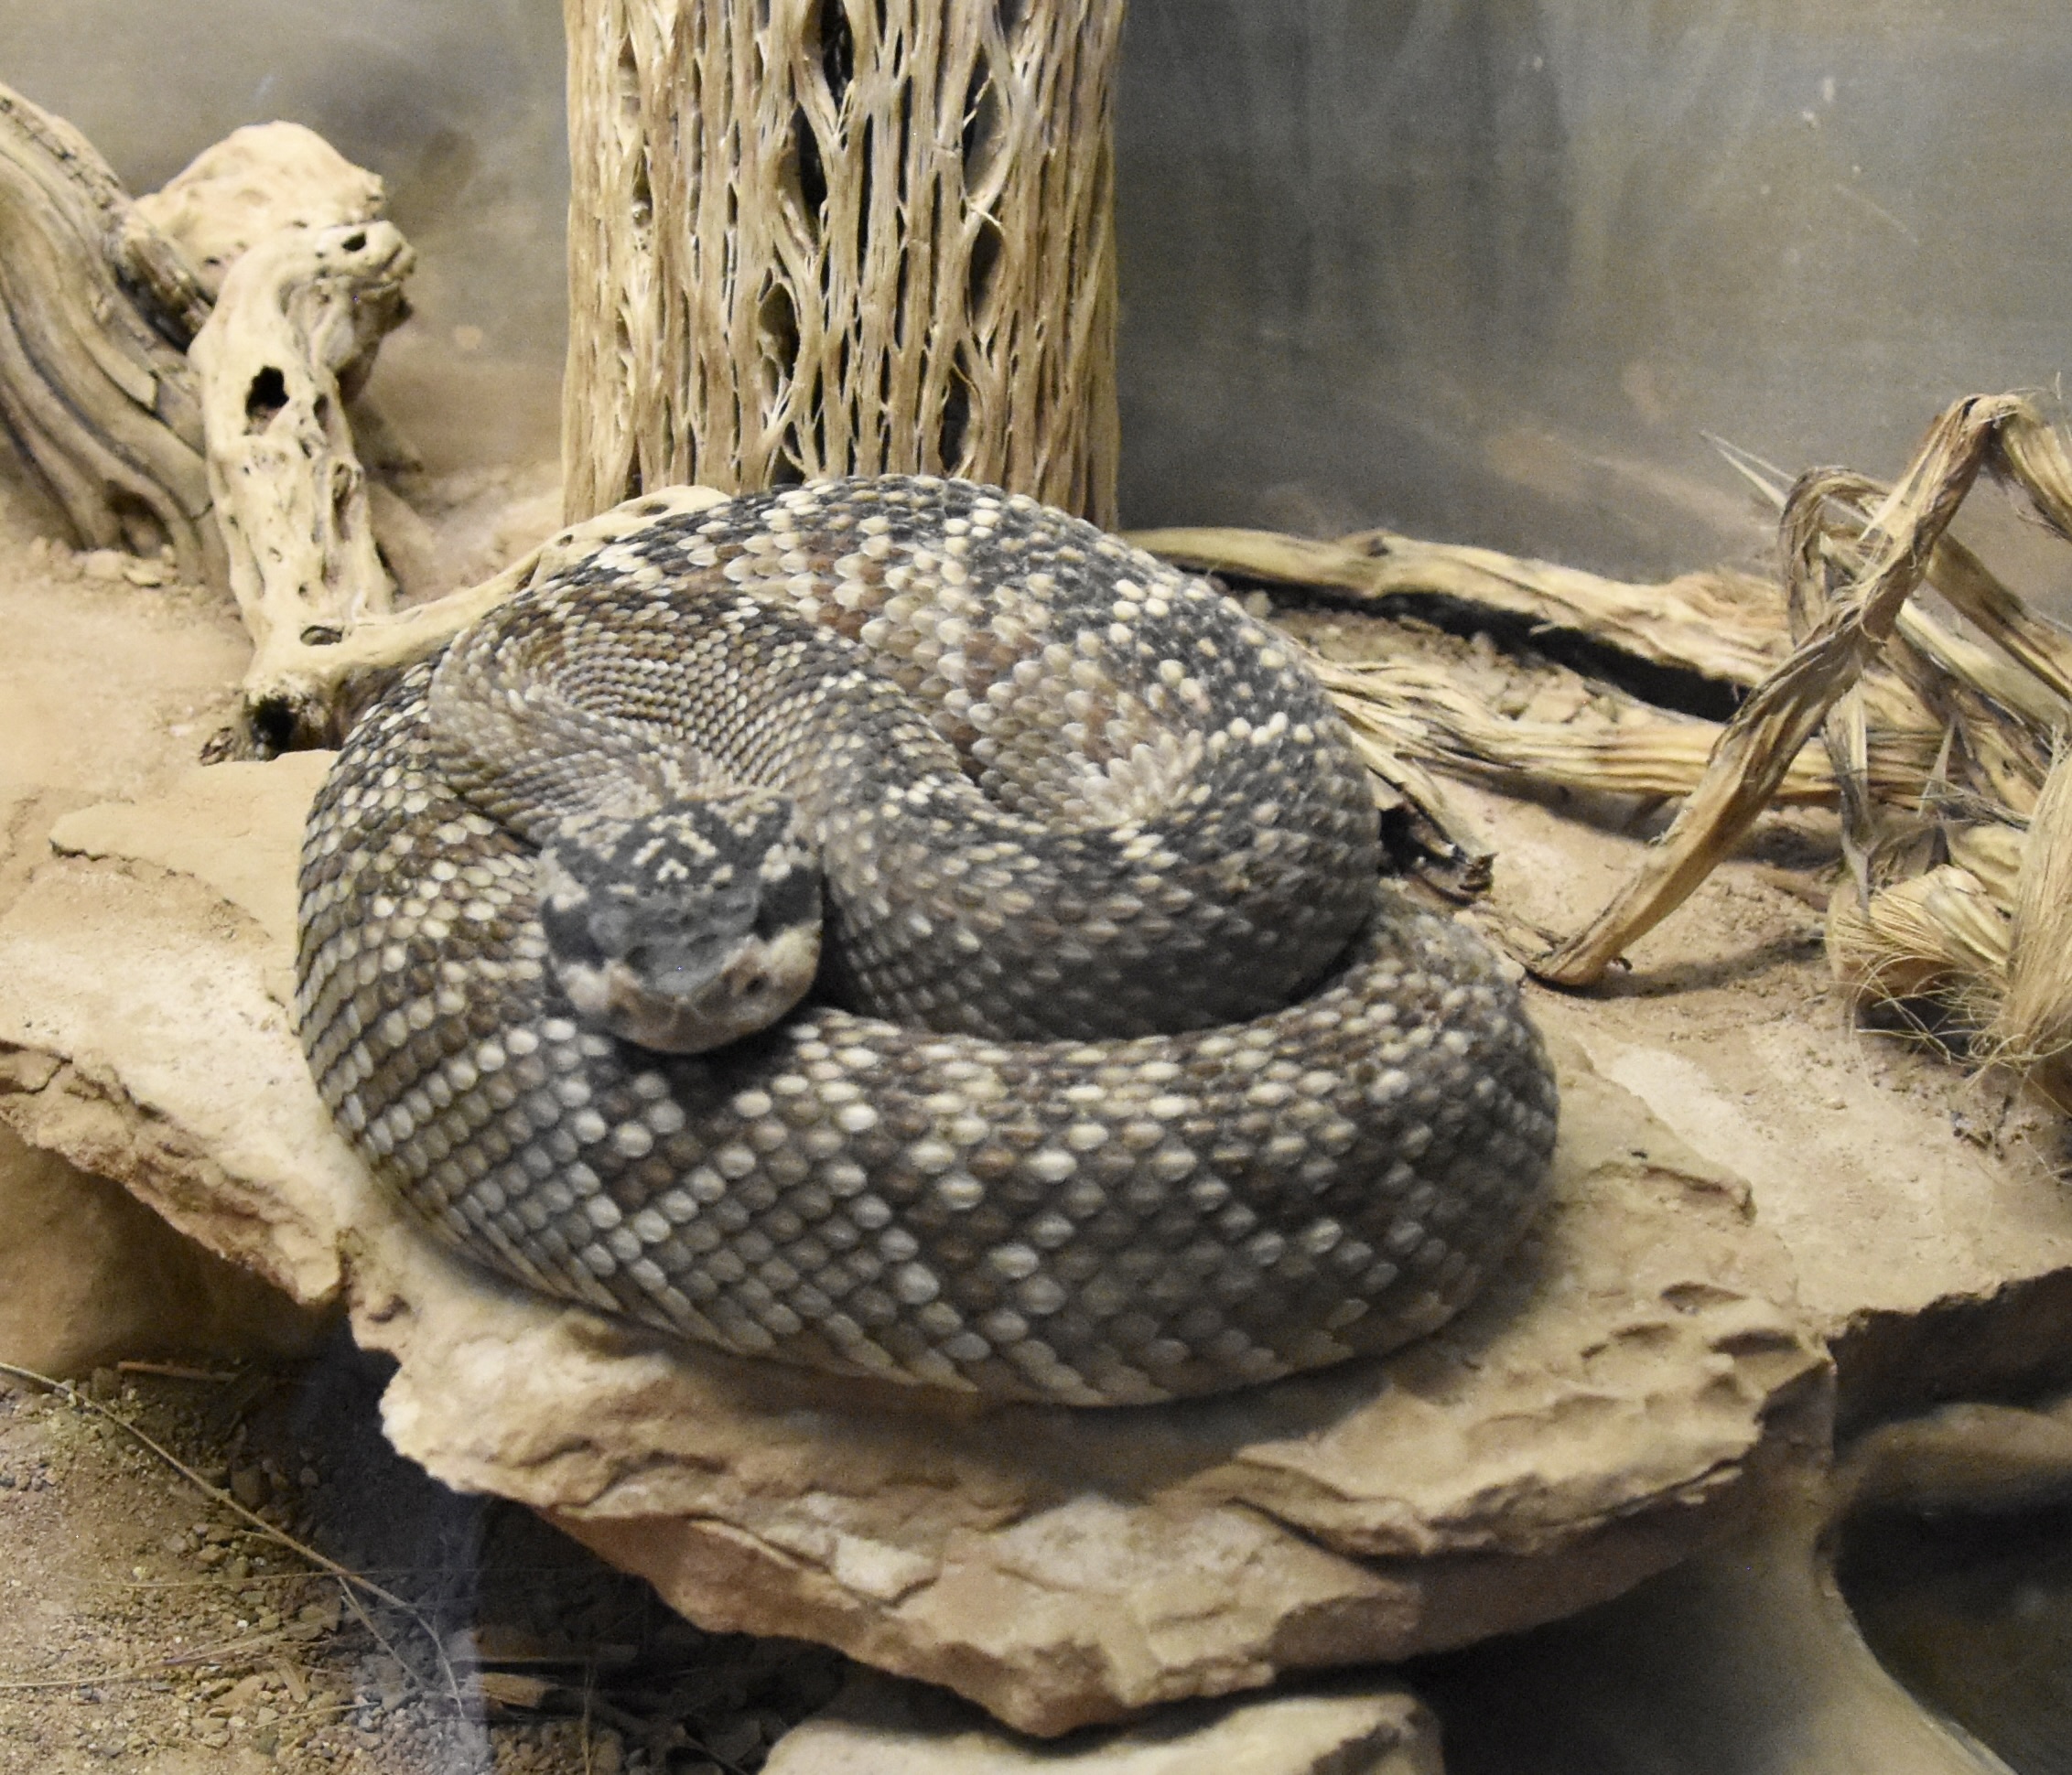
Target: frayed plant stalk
1755, 751
1993, 950
2032, 1034
1941, 935
1427, 714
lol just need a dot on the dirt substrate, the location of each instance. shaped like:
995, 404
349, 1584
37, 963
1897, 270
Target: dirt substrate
147, 1627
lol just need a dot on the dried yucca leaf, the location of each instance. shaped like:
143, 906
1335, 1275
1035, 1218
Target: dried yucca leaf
1756, 750
1426, 712
1992, 852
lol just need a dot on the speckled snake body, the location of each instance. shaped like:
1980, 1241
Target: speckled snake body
1144, 1086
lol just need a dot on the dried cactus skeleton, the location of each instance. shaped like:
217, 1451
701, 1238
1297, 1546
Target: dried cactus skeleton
842, 238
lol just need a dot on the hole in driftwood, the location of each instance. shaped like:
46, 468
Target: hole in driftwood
983, 132
837, 47
353, 242
777, 323
865, 138
956, 421
984, 260
811, 172
144, 529
265, 397
641, 197
273, 727
629, 84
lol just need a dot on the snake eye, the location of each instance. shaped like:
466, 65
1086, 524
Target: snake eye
791, 900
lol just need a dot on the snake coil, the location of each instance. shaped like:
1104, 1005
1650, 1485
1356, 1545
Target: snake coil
1140, 1084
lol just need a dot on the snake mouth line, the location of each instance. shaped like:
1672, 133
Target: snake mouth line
757, 984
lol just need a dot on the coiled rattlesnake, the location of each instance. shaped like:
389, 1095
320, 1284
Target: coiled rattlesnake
1193, 1100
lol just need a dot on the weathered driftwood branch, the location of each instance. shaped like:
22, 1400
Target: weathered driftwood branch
1720, 625
297, 312
103, 407
846, 238
341, 675
256, 180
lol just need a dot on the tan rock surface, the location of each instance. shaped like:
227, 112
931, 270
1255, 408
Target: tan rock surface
1744, 1661
145, 1033
1610, 1405
1929, 1230
877, 1726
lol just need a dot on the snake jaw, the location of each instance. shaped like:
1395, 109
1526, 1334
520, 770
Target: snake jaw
759, 981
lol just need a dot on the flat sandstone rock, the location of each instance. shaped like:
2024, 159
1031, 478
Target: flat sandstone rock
1619, 1398
877, 1726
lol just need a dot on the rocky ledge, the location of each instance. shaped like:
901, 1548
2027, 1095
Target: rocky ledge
1621, 1397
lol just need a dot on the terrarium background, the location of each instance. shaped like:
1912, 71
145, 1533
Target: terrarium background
1479, 271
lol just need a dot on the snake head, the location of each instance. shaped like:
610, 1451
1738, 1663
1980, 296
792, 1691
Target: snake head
685, 929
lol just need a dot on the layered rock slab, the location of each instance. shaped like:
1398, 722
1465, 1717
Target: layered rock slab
1616, 1400
880, 1727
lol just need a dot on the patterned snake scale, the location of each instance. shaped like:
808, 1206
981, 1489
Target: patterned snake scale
1145, 1085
